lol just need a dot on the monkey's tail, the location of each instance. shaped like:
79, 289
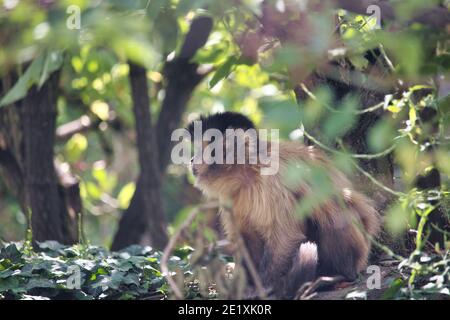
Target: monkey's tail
304, 267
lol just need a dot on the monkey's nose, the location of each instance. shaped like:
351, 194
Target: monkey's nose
194, 171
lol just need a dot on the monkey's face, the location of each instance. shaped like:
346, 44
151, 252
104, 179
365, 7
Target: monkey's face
218, 169
207, 169
220, 161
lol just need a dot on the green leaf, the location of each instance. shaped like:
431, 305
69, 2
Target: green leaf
338, 123
51, 245
166, 26
36, 74
30, 77
381, 136
223, 71
397, 219
359, 62
75, 147
412, 115
11, 253
126, 194
53, 61
393, 289
12, 284
281, 113
40, 283
6, 273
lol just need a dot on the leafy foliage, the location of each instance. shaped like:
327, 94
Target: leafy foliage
423, 277
51, 272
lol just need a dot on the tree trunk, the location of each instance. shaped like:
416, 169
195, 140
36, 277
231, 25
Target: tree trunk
145, 212
26, 158
144, 221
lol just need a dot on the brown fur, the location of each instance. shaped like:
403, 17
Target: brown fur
264, 210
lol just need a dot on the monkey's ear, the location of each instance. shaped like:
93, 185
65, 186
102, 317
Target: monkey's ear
223, 121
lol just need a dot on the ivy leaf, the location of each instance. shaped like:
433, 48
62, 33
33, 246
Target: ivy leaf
52, 246
11, 253
40, 283
132, 273
6, 273
12, 284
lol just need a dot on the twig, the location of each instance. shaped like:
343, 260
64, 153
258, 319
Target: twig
173, 240
353, 155
80, 125
376, 182
373, 179
387, 250
369, 109
361, 156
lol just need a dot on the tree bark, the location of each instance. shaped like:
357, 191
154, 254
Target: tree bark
145, 212
26, 157
183, 76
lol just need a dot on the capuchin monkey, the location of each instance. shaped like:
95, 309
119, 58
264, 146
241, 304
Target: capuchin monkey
333, 239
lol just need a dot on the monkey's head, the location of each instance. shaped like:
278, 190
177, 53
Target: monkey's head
220, 141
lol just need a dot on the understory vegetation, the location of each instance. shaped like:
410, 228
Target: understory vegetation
82, 272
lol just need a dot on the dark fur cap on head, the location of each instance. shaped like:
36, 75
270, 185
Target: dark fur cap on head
223, 121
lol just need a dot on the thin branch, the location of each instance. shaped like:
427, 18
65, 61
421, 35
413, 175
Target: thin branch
196, 37
67, 130
182, 78
172, 242
366, 110
374, 180
353, 155
363, 156
80, 125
